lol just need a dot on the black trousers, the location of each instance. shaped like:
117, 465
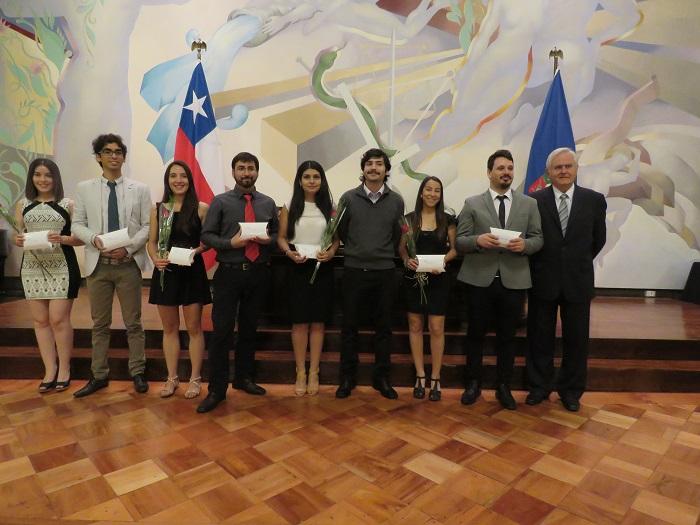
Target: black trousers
505, 307
363, 290
575, 323
242, 292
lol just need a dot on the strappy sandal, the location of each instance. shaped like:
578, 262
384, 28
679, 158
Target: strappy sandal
300, 385
312, 388
435, 392
419, 388
194, 388
169, 387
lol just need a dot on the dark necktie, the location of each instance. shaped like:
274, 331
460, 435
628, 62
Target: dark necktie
502, 210
252, 250
112, 207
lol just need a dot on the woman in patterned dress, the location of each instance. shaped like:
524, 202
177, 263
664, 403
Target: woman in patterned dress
50, 277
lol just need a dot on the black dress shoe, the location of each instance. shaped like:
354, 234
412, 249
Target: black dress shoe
345, 388
471, 393
249, 387
505, 397
210, 402
382, 384
570, 403
536, 397
91, 387
140, 383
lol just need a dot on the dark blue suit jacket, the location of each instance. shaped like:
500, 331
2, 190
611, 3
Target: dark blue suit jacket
564, 265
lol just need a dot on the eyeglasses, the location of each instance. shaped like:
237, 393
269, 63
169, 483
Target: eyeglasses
112, 153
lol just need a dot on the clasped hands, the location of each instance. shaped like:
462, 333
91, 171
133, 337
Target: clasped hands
53, 237
489, 241
321, 256
412, 264
117, 253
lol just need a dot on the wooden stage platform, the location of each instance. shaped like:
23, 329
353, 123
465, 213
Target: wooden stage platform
637, 344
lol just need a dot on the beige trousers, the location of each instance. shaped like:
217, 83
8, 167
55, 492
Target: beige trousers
125, 279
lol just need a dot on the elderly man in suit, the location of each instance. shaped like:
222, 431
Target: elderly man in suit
104, 204
497, 273
573, 225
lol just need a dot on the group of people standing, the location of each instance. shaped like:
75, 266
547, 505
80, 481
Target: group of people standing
560, 230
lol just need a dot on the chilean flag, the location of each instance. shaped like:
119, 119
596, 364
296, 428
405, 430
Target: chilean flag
198, 145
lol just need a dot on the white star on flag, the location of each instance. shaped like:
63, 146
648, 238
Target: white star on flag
196, 106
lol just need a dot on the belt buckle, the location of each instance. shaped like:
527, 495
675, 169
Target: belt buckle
245, 267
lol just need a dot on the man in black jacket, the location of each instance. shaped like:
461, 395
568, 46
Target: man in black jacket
370, 231
573, 226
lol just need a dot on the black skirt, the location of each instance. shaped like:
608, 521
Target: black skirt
183, 285
310, 303
437, 292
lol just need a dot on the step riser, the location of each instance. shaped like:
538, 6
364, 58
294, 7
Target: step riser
279, 341
402, 374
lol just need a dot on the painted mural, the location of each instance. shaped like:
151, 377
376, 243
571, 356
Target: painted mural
439, 84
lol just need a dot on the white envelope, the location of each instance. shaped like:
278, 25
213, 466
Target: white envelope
37, 241
504, 235
116, 239
181, 256
308, 250
254, 229
428, 263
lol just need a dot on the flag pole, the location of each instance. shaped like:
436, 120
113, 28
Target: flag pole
556, 54
199, 45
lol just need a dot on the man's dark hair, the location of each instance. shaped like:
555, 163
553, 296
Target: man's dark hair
244, 156
108, 138
373, 154
496, 154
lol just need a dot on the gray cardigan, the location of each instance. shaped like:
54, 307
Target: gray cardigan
371, 232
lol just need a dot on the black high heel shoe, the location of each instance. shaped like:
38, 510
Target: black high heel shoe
62, 385
435, 392
419, 388
46, 386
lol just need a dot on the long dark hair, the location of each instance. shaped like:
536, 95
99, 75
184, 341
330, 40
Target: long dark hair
324, 199
30, 191
190, 204
440, 216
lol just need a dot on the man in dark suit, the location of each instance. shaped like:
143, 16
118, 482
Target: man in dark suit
497, 274
573, 225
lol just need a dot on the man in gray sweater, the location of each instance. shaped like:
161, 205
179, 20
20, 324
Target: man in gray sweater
370, 231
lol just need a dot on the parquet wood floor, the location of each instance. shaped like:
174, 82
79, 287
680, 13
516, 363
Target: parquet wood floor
119, 457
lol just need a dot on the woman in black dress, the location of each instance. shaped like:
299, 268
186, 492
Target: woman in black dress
185, 286
302, 222
434, 232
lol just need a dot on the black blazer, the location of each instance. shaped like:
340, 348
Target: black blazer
564, 265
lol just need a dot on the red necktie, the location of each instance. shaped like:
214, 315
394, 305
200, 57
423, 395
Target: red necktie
252, 250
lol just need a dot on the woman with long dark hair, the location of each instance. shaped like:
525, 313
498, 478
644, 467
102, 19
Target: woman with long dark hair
303, 221
185, 286
51, 276
434, 232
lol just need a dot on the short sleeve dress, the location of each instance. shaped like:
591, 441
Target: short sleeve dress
52, 273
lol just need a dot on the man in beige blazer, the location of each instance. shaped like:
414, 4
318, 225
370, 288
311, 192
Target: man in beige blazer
108, 203
497, 273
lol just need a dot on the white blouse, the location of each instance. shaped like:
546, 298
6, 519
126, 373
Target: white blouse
310, 226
